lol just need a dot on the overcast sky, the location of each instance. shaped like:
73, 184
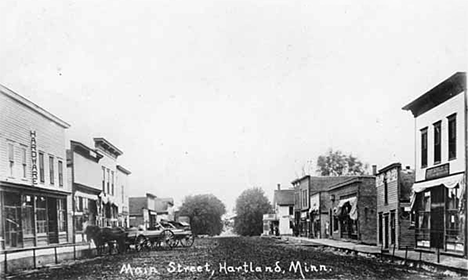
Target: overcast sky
219, 96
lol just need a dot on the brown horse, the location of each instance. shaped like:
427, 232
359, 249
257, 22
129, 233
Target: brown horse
110, 236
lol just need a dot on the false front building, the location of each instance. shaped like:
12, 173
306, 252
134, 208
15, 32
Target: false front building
34, 194
439, 199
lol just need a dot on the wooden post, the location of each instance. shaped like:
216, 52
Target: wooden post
6, 264
55, 252
34, 257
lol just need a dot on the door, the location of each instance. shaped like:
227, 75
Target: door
437, 217
12, 213
392, 228
53, 223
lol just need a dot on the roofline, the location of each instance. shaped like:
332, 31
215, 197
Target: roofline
350, 181
31, 105
121, 168
150, 194
300, 179
459, 78
76, 143
390, 166
102, 139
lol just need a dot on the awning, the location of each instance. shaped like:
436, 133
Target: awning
86, 195
314, 207
449, 182
353, 202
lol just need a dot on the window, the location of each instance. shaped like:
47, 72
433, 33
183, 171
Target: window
23, 161
62, 214
291, 210
108, 180
41, 212
437, 142
103, 179
453, 228
380, 228
304, 198
41, 167
423, 214
424, 147
51, 170
11, 158
452, 137
123, 195
60, 173
27, 215
385, 190
112, 172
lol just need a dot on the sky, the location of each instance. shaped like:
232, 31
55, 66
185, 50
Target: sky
220, 96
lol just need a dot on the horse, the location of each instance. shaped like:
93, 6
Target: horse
107, 235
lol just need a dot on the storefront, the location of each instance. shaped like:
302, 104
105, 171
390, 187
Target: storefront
346, 213
32, 218
439, 213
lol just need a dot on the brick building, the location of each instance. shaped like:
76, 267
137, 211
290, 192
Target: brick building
34, 192
393, 207
441, 153
143, 211
353, 210
320, 203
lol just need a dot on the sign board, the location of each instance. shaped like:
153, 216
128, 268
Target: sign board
33, 157
437, 171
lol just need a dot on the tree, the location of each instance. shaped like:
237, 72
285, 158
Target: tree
250, 207
204, 211
335, 163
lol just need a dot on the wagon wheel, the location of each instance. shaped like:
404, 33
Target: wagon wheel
168, 238
140, 243
188, 240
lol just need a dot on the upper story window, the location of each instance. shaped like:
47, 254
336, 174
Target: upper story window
103, 179
51, 170
41, 167
11, 159
437, 142
108, 180
60, 173
385, 190
23, 162
304, 198
424, 147
452, 137
112, 172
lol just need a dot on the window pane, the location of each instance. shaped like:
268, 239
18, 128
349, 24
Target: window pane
51, 170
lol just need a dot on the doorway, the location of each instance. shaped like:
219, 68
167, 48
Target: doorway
386, 231
437, 217
53, 225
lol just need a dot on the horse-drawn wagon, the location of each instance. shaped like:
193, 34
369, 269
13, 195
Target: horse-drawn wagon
165, 234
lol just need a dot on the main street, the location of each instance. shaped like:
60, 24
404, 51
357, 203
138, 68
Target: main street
233, 258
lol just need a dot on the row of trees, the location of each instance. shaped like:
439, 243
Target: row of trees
205, 211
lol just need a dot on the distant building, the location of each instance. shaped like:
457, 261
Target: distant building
283, 204
164, 207
34, 190
393, 207
320, 204
301, 206
353, 210
439, 200
142, 211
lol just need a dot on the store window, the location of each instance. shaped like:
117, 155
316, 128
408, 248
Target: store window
41, 213
454, 236
112, 172
452, 137
423, 214
62, 214
27, 214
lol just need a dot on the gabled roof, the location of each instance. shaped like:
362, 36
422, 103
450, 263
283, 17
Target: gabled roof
36, 108
284, 197
447, 89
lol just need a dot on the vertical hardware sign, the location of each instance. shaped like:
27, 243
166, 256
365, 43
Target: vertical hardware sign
33, 157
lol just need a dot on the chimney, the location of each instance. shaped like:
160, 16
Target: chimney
279, 187
374, 169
